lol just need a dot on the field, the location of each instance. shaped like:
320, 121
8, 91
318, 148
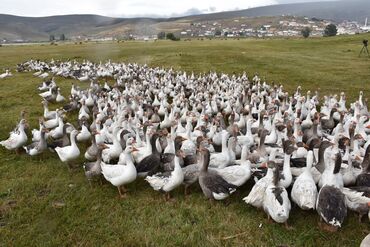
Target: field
43, 204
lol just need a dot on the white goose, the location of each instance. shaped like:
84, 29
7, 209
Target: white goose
48, 114
276, 202
69, 153
60, 98
122, 173
304, 191
257, 194
6, 74
17, 137
167, 181
84, 134
237, 174
221, 160
113, 151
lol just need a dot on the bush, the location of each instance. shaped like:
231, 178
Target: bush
306, 32
161, 35
330, 30
172, 37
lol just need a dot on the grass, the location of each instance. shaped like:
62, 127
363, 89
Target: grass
94, 216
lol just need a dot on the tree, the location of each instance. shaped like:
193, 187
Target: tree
306, 32
330, 30
218, 32
51, 38
171, 36
161, 35
62, 37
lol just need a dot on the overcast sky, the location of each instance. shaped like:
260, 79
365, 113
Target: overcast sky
129, 8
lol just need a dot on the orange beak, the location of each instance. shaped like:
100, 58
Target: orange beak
264, 165
135, 149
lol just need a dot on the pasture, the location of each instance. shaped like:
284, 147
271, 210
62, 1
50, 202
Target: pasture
43, 204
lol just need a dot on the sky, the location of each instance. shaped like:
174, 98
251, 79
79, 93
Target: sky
129, 8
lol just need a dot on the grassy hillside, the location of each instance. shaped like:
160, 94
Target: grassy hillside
39, 28
42, 203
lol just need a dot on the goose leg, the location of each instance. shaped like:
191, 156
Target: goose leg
287, 226
167, 196
122, 191
360, 218
269, 219
186, 190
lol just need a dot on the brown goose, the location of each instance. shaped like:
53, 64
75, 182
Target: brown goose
150, 164
328, 124
214, 187
364, 178
93, 169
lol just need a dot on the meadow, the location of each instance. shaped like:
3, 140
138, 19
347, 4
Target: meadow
43, 204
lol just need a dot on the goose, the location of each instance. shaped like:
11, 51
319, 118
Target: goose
145, 150
62, 142
331, 204
328, 124
237, 174
84, 134
304, 191
37, 147
45, 85
17, 138
48, 114
348, 172
276, 203
287, 177
36, 133
69, 153
93, 169
167, 181
214, 187
54, 122
60, 98
151, 163
366, 241
257, 194
6, 74
122, 173
188, 146
58, 131
364, 178
358, 200
259, 155
92, 150
223, 159
248, 137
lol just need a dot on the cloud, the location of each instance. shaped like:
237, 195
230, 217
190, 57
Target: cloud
128, 8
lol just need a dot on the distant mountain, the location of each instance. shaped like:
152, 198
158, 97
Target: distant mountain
39, 28
355, 10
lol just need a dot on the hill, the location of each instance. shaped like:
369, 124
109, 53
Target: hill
39, 28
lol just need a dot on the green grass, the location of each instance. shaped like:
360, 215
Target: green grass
94, 216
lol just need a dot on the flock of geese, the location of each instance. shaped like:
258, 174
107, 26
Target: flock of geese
175, 129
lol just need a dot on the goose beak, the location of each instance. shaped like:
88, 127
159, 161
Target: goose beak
134, 149
264, 165
357, 158
368, 127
